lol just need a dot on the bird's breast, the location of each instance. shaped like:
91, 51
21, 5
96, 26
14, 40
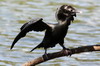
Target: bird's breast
59, 32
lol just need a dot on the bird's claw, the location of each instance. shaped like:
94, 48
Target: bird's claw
68, 51
45, 56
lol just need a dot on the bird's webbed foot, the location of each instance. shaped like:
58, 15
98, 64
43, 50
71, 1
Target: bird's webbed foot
67, 50
45, 56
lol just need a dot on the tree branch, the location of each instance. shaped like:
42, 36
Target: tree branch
62, 53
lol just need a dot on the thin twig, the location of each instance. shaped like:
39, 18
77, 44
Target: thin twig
62, 53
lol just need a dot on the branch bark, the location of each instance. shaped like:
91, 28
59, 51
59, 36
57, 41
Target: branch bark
62, 53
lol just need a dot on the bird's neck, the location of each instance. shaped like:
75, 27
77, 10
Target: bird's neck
65, 22
63, 19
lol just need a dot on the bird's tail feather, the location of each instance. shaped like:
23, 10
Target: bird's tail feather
15, 40
38, 46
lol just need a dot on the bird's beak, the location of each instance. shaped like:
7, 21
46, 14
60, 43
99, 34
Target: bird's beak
78, 11
74, 13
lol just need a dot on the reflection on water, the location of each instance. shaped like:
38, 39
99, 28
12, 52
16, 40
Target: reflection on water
84, 30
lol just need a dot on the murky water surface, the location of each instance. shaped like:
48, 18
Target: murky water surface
85, 30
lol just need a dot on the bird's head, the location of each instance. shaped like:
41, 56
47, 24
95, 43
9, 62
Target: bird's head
66, 12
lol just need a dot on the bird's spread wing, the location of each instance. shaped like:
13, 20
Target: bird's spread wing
34, 24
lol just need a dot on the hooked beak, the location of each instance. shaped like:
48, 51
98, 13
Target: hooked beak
78, 11
74, 13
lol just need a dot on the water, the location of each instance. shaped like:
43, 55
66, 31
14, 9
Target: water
85, 30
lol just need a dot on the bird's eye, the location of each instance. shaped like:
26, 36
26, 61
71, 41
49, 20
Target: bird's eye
73, 10
69, 9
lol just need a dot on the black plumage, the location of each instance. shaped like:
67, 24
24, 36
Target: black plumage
54, 33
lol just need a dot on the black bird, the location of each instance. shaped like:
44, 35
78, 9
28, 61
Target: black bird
54, 33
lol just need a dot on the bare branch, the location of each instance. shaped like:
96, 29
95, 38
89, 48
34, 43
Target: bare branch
62, 53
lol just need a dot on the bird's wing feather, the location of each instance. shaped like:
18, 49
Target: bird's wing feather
36, 25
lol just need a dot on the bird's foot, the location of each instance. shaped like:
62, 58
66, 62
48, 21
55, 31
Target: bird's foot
45, 56
68, 51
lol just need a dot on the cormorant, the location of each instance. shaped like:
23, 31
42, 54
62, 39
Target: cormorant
54, 33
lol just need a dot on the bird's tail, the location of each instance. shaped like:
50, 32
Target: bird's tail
38, 46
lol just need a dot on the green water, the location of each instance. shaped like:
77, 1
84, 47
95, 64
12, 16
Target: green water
85, 30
